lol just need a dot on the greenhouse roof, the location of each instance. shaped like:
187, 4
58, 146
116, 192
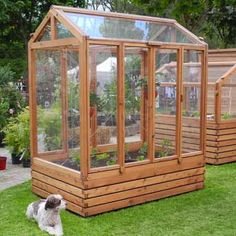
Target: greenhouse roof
118, 26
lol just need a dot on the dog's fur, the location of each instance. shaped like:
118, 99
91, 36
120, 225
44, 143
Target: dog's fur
47, 213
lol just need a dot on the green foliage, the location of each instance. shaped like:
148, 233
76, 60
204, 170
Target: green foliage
17, 134
109, 98
226, 116
51, 125
165, 148
75, 156
143, 150
11, 101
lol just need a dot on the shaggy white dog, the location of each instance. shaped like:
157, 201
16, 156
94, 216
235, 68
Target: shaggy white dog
47, 213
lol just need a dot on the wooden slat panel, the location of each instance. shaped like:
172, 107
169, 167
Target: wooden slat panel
227, 131
51, 189
59, 184
70, 206
142, 182
218, 161
144, 198
227, 137
143, 190
226, 148
138, 172
227, 154
58, 172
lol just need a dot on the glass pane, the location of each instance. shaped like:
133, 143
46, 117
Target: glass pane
103, 104
165, 110
228, 99
215, 71
211, 101
62, 32
49, 102
45, 34
191, 101
120, 28
73, 86
135, 94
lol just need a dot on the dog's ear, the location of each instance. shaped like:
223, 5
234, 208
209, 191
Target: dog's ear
52, 202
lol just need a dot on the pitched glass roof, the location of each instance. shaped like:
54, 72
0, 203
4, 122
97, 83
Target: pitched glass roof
107, 27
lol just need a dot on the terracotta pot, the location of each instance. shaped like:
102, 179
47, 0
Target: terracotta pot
3, 161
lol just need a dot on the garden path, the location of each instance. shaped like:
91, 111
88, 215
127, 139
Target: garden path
14, 174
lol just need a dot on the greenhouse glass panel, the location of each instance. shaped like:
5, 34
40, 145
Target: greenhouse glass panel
119, 28
49, 101
228, 99
165, 102
192, 74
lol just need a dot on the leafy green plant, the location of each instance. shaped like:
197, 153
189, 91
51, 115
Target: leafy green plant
165, 148
50, 125
226, 116
143, 149
75, 157
17, 133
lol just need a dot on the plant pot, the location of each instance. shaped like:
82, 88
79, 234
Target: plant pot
3, 161
26, 163
15, 158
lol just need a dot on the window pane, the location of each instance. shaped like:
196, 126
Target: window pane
49, 102
45, 34
191, 101
103, 104
135, 97
165, 110
62, 32
120, 28
228, 99
73, 87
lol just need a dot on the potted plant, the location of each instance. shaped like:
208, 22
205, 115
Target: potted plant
11, 140
18, 136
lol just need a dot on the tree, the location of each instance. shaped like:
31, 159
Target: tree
221, 28
18, 19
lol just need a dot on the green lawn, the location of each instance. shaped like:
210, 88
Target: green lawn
211, 211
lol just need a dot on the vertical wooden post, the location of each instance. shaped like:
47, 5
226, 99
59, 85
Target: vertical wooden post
64, 97
121, 107
53, 28
32, 101
203, 102
84, 112
151, 103
93, 88
218, 95
179, 101
142, 105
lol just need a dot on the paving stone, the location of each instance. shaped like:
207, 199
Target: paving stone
14, 174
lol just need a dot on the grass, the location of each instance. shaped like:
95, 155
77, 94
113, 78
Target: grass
211, 211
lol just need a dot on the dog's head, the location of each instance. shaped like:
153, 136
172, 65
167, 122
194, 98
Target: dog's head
55, 202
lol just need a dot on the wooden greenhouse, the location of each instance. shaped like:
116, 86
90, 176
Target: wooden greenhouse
108, 95
221, 108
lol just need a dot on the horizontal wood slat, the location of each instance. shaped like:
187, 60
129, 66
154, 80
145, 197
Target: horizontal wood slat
221, 146
141, 199
58, 172
142, 182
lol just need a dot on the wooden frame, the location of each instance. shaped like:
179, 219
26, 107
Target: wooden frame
221, 136
95, 190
